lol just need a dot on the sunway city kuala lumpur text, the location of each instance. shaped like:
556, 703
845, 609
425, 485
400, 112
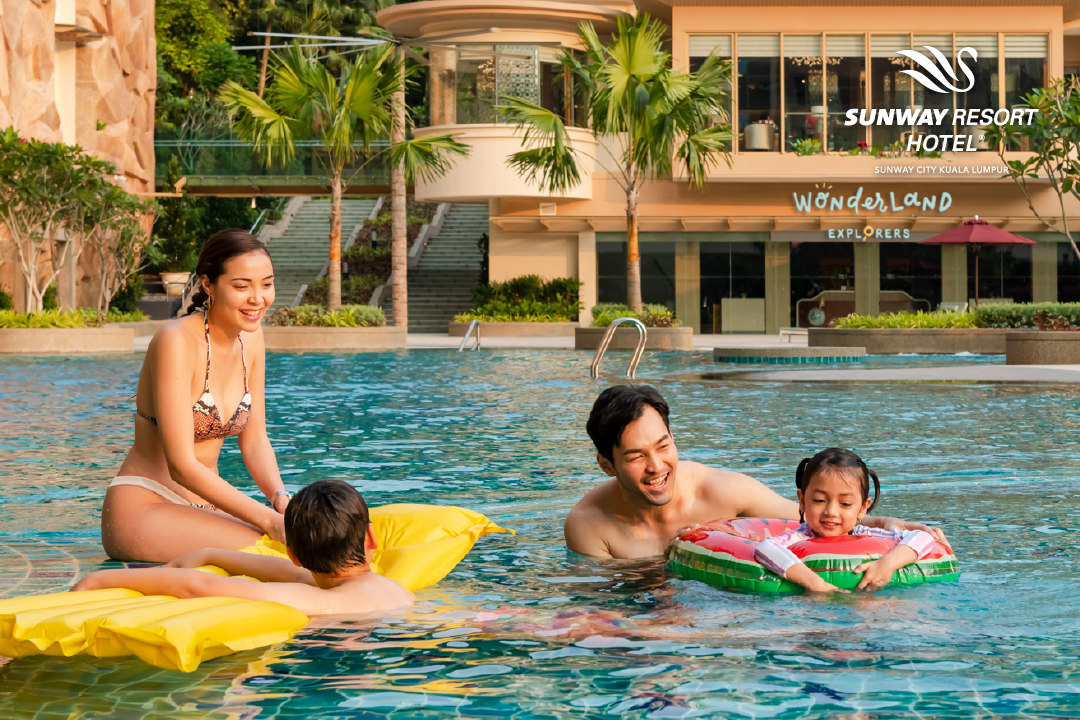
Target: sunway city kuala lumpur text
936, 117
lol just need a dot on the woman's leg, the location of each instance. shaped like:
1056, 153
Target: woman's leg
137, 524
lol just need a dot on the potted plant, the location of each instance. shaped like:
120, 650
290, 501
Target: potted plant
761, 134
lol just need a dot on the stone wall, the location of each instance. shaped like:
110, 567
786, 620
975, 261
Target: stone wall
115, 78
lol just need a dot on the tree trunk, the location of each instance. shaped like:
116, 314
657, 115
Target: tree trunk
633, 259
400, 243
265, 58
333, 301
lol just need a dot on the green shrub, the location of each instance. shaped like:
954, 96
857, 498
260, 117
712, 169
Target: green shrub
651, 315
1020, 315
48, 300
319, 316
526, 299
5, 300
127, 297
908, 319
50, 319
355, 290
117, 315
366, 260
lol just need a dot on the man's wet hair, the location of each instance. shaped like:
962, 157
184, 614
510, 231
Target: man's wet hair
325, 526
616, 408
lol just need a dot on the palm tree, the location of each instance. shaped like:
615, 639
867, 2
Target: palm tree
644, 113
346, 113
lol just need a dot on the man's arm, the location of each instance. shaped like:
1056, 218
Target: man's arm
582, 534
748, 497
261, 567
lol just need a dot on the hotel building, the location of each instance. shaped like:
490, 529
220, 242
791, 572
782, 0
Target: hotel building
805, 216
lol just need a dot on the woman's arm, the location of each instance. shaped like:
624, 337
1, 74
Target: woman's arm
254, 443
173, 369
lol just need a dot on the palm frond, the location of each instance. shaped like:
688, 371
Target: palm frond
257, 122
427, 158
549, 167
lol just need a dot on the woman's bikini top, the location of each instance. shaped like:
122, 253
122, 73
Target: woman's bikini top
208, 425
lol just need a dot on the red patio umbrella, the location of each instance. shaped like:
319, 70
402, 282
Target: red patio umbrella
974, 233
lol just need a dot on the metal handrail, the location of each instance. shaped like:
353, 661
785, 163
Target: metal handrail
631, 369
474, 325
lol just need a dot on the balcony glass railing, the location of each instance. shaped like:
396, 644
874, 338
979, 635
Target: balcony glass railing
230, 161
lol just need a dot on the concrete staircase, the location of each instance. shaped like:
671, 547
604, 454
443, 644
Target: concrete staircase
300, 252
442, 284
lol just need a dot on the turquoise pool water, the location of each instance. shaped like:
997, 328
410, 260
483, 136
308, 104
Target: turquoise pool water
524, 629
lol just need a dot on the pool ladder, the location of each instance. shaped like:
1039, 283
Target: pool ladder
631, 369
474, 325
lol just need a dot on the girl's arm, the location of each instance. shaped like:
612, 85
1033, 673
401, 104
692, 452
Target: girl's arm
254, 443
261, 567
913, 545
774, 554
172, 368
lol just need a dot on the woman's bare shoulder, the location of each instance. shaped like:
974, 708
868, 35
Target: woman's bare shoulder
177, 335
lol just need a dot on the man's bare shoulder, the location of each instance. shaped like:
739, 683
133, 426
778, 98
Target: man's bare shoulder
586, 525
707, 478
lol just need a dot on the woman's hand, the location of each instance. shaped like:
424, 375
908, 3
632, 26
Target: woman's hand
87, 583
280, 502
274, 525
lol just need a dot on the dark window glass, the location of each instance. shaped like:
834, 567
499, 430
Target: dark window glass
732, 270
657, 272
1004, 272
1068, 274
818, 266
913, 268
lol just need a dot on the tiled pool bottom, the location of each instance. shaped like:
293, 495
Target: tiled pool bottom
522, 628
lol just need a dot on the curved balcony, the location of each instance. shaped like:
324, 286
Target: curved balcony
485, 174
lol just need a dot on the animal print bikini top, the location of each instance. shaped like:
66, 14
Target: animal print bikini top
208, 425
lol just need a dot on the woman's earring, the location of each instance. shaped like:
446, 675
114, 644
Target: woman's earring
209, 302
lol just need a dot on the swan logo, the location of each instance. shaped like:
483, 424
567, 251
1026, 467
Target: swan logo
939, 70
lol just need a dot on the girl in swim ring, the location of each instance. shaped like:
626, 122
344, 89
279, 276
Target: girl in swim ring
834, 495
201, 382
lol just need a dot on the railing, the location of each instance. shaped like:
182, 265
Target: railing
474, 325
230, 161
631, 369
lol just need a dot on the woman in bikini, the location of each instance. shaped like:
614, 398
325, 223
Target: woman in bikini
201, 382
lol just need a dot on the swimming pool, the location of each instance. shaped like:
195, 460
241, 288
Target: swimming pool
525, 629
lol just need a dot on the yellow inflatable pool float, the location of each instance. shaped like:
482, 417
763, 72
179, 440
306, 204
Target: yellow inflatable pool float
418, 546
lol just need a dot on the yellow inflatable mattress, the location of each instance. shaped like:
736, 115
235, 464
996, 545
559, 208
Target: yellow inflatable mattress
418, 546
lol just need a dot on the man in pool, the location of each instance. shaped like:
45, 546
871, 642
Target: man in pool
330, 541
650, 497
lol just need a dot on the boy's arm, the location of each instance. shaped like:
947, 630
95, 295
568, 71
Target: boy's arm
261, 567
187, 583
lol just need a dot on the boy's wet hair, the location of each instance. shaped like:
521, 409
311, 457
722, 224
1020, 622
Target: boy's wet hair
325, 526
616, 408
838, 459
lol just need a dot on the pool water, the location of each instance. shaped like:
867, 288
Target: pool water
525, 629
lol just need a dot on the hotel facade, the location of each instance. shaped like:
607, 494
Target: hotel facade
809, 220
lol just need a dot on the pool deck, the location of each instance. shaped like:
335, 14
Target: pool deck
1058, 374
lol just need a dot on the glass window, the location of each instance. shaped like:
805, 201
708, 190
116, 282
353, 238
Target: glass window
476, 84
845, 88
804, 90
1004, 272
890, 88
720, 45
928, 99
732, 270
913, 268
1025, 66
819, 266
1068, 274
758, 91
657, 272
